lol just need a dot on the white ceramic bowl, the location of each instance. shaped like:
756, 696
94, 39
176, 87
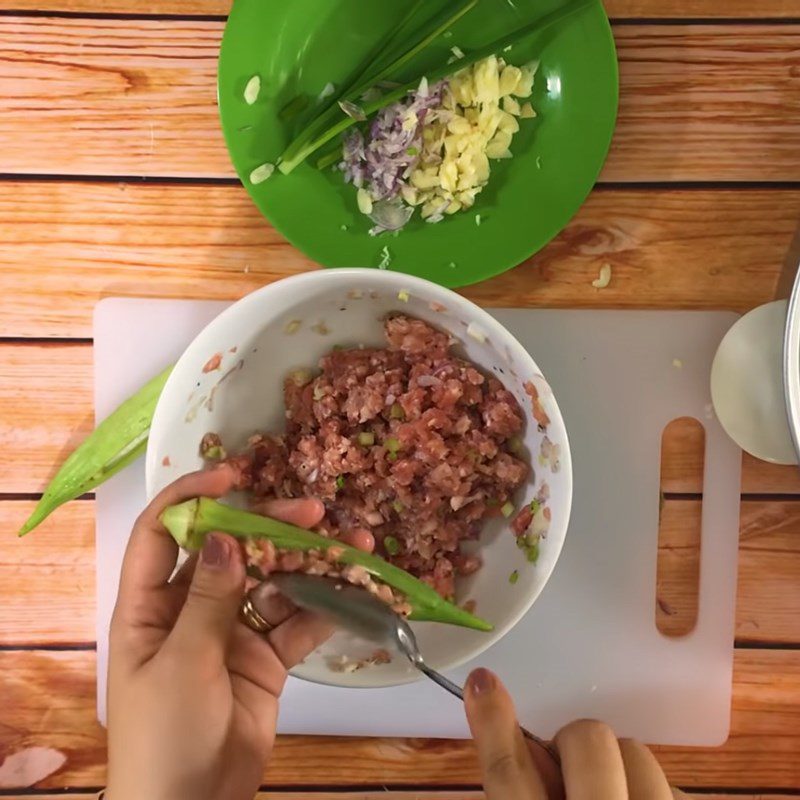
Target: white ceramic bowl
346, 307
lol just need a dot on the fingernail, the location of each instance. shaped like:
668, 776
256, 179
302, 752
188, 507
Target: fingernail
215, 552
481, 681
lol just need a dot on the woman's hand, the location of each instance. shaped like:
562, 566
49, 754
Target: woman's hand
192, 693
594, 764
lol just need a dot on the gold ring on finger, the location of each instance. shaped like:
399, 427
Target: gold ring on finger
253, 618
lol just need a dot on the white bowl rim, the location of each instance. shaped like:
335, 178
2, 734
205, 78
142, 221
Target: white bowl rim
397, 281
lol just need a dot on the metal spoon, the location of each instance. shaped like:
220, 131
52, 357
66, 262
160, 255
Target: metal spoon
358, 611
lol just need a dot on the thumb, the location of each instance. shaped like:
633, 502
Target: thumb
506, 765
212, 602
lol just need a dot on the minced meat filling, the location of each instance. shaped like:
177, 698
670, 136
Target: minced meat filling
408, 442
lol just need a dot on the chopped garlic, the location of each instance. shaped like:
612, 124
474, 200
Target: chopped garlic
292, 327
510, 79
476, 332
477, 123
604, 278
511, 106
457, 51
327, 90
364, 200
524, 87
526, 111
260, 174
403, 296
252, 90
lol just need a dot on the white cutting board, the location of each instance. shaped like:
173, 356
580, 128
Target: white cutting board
589, 646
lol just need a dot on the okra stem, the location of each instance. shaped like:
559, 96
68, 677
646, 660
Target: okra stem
191, 521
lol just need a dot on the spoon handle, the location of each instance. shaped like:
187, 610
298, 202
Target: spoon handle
445, 683
456, 690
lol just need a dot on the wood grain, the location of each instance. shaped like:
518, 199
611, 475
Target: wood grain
55, 564
50, 701
137, 97
682, 469
734, 9
685, 89
388, 795
702, 249
43, 417
678, 571
45, 410
62, 553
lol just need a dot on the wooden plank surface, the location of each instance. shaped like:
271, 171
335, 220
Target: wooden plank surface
61, 554
682, 469
670, 248
45, 410
47, 580
620, 9
43, 417
389, 795
50, 702
137, 97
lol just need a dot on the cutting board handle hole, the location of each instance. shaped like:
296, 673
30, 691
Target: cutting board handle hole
683, 444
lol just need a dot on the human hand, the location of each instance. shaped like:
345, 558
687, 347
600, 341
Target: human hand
192, 693
595, 765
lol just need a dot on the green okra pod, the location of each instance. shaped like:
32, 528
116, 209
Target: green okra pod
116, 442
190, 522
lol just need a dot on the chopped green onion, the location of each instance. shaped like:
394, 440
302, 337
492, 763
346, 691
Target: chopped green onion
507, 509
340, 482
398, 506
478, 220
532, 553
392, 456
386, 258
513, 577
535, 506
515, 444
392, 444
403, 296
492, 502
294, 107
412, 151
397, 412
366, 438
391, 545
215, 453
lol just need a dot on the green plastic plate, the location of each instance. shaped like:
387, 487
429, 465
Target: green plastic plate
296, 47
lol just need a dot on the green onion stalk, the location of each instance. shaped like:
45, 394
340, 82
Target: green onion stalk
374, 69
116, 442
190, 522
310, 141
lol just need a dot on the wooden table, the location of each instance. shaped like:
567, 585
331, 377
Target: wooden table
114, 181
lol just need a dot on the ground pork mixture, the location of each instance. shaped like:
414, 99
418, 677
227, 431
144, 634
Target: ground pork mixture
409, 443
